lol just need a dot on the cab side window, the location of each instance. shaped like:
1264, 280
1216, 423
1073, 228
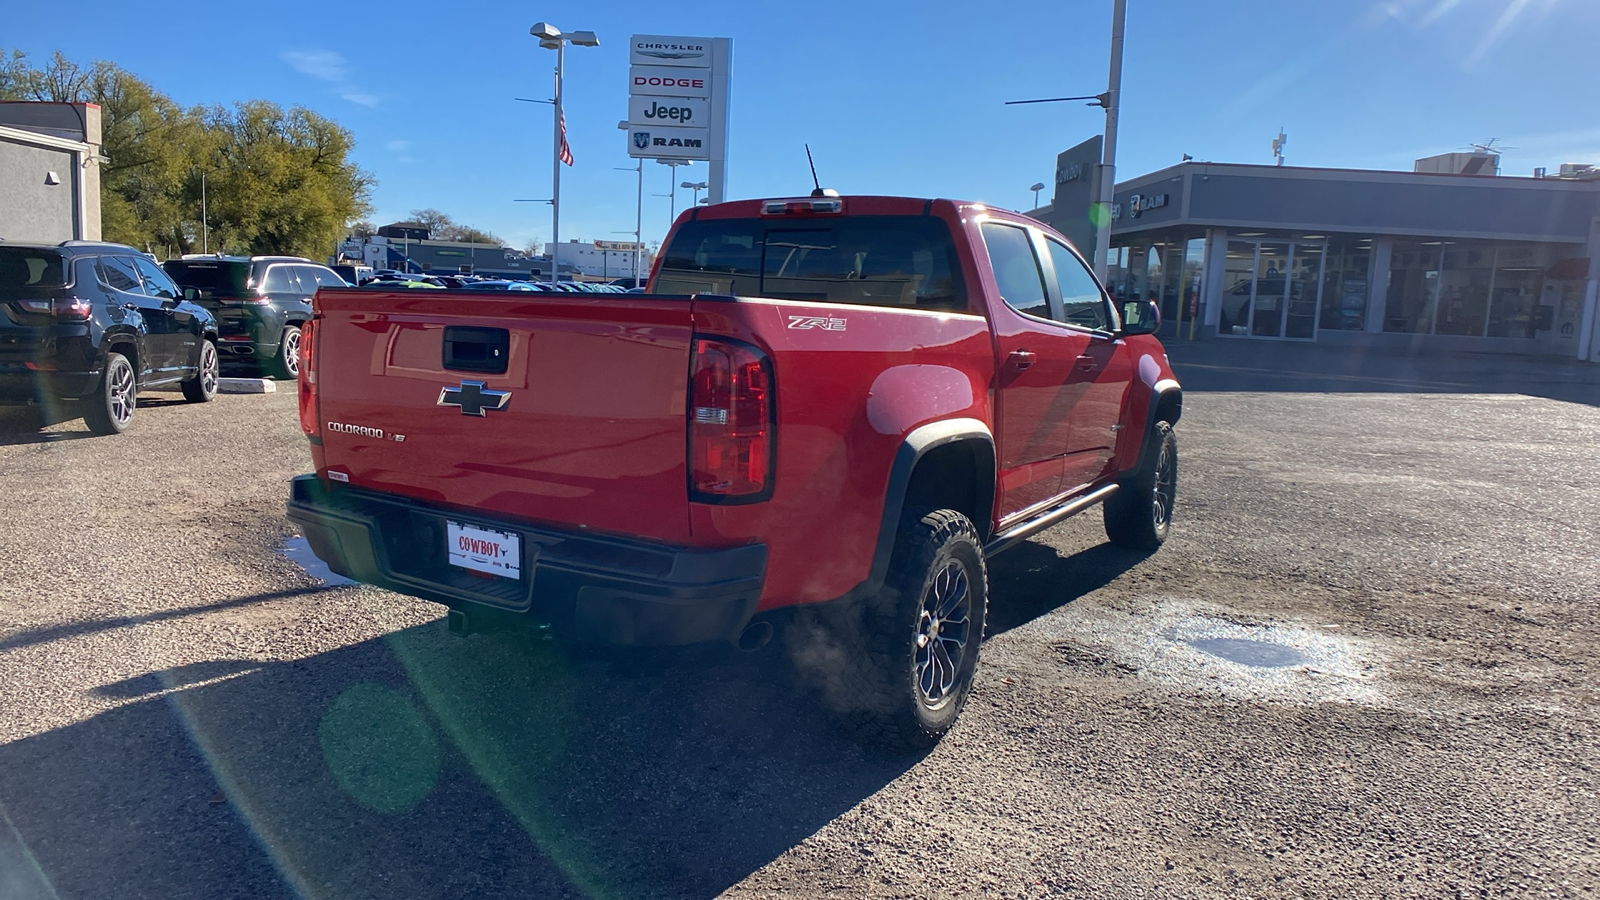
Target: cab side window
118, 272
1016, 269
156, 282
1081, 300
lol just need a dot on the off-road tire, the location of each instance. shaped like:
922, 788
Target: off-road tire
203, 386
287, 363
864, 657
109, 409
1139, 515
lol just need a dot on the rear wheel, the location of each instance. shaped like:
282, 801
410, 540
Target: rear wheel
203, 386
287, 365
898, 667
109, 409
1139, 515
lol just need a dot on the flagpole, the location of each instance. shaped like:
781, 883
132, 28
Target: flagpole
555, 193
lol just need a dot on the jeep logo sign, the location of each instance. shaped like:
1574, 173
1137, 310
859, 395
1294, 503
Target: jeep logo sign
670, 112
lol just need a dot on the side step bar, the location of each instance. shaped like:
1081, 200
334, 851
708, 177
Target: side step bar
1024, 530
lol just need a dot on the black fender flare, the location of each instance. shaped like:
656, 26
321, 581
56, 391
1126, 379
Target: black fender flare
1165, 392
916, 445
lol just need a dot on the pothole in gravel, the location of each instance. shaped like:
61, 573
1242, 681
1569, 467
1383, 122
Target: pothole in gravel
1204, 649
298, 551
1247, 652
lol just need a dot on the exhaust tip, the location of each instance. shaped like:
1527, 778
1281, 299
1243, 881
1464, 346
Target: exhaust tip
754, 637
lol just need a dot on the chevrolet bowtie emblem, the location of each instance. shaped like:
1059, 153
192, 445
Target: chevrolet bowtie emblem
474, 398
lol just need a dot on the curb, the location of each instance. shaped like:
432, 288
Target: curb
246, 386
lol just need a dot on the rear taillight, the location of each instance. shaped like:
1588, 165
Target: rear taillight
308, 381
70, 308
731, 438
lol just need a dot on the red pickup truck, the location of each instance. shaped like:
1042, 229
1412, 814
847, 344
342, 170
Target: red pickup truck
824, 414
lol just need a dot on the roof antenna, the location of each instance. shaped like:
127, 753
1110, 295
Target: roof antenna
819, 190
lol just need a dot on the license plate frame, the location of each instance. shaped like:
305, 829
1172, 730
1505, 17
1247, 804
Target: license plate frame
484, 550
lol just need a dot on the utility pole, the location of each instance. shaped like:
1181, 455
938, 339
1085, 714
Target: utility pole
1108, 165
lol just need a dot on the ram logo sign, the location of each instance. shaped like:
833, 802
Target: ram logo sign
806, 323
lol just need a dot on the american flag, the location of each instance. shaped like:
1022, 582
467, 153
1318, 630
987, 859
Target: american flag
566, 150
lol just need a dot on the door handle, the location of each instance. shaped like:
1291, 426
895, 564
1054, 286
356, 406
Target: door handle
130, 305
1087, 363
1022, 359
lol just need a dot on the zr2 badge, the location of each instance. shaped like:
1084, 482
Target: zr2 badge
806, 323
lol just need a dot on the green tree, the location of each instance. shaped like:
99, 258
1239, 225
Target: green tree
276, 181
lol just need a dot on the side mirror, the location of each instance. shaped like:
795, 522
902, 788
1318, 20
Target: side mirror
1140, 317
190, 293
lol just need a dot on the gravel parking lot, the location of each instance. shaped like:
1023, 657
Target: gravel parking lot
1364, 666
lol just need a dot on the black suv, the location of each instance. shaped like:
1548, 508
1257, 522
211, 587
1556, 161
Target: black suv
261, 303
100, 322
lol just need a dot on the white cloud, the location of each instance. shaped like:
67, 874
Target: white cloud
326, 65
323, 64
398, 146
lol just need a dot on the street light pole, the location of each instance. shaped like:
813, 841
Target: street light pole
555, 182
1108, 165
551, 38
205, 224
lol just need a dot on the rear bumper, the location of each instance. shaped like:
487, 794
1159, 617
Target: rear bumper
584, 587
43, 363
19, 384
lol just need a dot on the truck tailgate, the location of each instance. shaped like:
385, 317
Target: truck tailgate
592, 434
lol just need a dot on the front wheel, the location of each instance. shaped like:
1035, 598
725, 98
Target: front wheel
203, 386
109, 409
287, 365
1139, 515
898, 667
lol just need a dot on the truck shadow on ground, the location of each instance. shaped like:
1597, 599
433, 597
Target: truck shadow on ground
423, 765
1034, 579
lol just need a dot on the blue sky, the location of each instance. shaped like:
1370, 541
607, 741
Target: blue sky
898, 98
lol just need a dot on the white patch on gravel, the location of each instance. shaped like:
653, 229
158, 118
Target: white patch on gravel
1207, 650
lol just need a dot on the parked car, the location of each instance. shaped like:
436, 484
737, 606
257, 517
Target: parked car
354, 275
501, 286
98, 322
261, 303
403, 281
913, 386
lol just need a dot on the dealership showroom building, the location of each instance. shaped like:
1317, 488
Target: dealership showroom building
1429, 259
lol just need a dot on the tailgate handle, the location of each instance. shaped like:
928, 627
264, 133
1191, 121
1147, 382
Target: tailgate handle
471, 348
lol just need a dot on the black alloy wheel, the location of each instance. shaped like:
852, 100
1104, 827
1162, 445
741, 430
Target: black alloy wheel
203, 386
109, 410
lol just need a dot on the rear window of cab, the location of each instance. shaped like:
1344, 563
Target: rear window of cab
211, 278
29, 269
902, 261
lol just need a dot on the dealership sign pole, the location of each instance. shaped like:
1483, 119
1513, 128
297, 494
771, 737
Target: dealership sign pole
678, 102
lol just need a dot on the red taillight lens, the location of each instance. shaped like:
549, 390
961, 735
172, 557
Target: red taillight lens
308, 381
69, 308
730, 423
